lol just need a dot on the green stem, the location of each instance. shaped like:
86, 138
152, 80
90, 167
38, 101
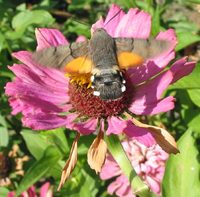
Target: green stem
118, 153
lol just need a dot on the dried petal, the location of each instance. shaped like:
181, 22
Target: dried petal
97, 153
70, 163
164, 139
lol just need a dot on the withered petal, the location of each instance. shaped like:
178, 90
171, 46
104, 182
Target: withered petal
97, 153
70, 163
164, 139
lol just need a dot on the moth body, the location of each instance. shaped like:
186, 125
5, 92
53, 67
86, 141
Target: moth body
107, 79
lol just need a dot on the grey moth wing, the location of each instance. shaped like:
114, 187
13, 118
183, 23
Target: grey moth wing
60, 56
142, 49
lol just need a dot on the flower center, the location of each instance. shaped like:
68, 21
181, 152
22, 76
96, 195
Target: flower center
86, 104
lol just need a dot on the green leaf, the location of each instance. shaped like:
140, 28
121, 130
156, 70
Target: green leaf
35, 142
191, 1
88, 186
2, 40
58, 138
3, 191
4, 138
195, 96
127, 3
72, 26
194, 124
156, 21
185, 39
118, 153
189, 82
2, 121
39, 169
182, 171
22, 20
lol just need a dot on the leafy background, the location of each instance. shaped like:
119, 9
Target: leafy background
48, 150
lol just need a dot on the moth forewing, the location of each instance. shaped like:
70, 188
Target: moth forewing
151, 47
60, 56
133, 52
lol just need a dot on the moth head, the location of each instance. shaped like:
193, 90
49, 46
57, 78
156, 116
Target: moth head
108, 85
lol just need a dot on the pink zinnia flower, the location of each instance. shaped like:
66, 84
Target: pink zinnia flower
148, 162
42, 94
48, 99
45, 191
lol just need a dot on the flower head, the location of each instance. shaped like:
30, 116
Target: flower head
149, 163
49, 98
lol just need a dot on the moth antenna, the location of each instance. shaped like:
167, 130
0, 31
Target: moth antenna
113, 17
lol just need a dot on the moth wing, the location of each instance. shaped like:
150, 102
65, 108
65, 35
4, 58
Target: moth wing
134, 52
73, 58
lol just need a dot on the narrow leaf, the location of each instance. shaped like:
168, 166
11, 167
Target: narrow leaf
185, 39
39, 169
3, 136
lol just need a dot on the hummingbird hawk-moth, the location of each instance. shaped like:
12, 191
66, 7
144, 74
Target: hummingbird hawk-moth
104, 58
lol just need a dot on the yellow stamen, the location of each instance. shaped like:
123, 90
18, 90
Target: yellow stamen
80, 79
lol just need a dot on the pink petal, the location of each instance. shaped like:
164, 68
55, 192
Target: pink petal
135, 24
43, 72
86, 127
110, 168
140, 134
168, 55
114, 186
81, 39
162, 105
97, 25
11, 194
113, 18
45, 190
154, 185
45, 88
125, 186
31, 192
121, 187
39, 94
181, 68
115, 125
31, 93
45, 121
156, 65
49, 37
147, 96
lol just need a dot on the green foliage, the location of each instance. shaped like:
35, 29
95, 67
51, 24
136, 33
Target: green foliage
39, 169
118, 153
49, 150
182, 171
4, 137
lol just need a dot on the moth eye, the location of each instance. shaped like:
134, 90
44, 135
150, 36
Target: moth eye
116, 75
98, 78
